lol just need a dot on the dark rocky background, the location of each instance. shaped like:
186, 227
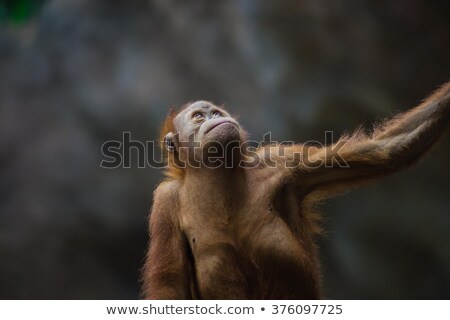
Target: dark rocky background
74, 74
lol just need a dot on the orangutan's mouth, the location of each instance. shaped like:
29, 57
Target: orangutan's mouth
218, 124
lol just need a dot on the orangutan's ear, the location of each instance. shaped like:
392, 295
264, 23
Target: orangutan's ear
169, 142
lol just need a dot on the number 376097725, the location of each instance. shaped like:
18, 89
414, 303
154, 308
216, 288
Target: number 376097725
307, 309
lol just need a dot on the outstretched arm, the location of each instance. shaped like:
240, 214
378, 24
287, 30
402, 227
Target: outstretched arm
393, 145
166, 270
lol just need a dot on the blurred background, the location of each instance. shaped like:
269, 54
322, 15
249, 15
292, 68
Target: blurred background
76, 73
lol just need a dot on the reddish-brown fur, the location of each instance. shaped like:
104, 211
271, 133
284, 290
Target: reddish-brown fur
173, 170
249, 232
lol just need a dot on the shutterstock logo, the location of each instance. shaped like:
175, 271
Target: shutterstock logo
128, 153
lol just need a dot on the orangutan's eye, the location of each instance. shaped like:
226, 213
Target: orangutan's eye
198, 115
217, 114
